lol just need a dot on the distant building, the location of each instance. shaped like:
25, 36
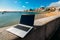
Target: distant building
40, 9
59, 9
52, 8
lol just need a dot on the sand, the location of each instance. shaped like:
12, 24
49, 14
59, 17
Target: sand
46, 14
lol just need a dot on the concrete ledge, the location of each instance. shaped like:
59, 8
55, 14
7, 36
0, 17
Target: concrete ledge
45, 20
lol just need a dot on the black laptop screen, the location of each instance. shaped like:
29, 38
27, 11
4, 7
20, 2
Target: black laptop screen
27, 20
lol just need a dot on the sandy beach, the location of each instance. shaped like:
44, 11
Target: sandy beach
46, 14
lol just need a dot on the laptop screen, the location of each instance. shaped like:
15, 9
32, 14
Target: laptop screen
27, 20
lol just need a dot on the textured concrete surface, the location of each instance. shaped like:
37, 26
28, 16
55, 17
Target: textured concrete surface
45, 20
4, 35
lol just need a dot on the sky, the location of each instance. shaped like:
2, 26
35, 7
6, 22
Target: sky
18, 5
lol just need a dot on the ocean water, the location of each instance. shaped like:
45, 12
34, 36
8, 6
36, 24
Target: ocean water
8, 19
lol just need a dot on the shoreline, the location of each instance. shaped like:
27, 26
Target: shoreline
4, 35
38, 16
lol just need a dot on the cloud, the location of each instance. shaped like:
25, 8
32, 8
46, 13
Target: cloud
26, 2
15, 1
41, 6
56, 4
23, 6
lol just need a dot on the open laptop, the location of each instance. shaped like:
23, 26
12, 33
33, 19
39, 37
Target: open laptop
24, 27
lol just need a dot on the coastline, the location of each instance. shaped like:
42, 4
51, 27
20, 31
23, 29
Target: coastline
38, 16
4, 35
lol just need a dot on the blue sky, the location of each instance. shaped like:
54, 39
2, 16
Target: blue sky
23, 4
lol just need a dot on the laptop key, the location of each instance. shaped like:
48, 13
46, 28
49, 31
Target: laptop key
22, 27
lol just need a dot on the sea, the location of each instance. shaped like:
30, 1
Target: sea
11, 18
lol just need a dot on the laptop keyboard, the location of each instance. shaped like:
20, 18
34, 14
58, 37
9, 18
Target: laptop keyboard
22, 27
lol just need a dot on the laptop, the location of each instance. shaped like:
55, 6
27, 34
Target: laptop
24, 27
